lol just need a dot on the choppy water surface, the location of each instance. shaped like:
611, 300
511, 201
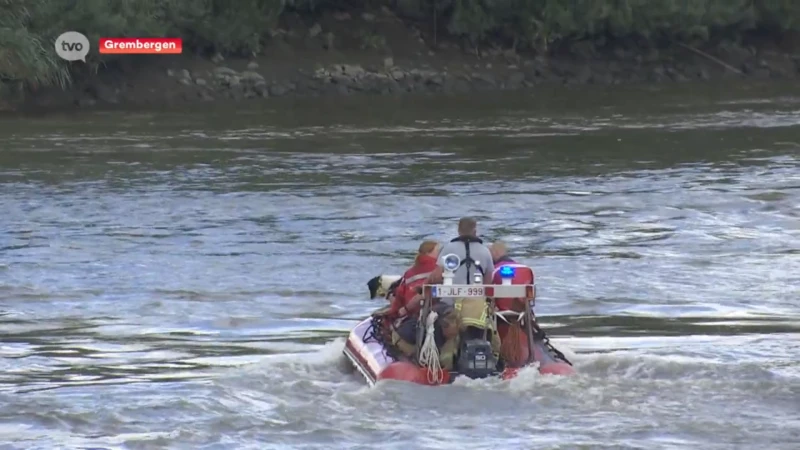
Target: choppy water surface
186, 280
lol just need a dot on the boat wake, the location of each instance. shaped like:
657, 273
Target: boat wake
326, 368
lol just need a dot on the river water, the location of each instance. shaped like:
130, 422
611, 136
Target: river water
186, 279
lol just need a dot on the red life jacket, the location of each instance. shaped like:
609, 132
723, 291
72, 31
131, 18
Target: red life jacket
522, 275
413, 278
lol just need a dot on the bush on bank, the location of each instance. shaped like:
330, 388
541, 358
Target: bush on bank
28, 28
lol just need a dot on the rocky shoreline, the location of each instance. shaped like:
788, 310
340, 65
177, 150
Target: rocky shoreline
305, 64
223, 83
345, 79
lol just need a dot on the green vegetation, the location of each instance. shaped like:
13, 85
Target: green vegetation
28, 28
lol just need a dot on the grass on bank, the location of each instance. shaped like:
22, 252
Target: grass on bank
28, 28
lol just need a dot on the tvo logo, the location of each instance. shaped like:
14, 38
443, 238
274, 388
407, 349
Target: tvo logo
72, 46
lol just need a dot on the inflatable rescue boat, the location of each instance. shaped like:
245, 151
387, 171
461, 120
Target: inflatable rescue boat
369, 348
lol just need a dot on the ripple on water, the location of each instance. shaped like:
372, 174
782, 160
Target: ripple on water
189, 285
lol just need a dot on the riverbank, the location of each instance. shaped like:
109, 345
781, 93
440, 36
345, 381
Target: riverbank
377, 53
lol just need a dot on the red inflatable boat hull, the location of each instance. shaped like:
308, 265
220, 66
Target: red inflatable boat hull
372, 362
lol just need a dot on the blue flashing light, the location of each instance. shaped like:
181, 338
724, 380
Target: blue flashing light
506, 272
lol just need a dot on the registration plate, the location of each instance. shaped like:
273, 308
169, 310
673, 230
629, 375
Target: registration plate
459, 291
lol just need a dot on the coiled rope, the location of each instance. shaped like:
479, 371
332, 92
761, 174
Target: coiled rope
429, 352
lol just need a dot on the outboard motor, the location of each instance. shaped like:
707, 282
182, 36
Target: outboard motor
476, 360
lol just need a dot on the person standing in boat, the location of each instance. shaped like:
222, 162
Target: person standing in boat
406, 300
499, 252
475, 256
522, 274
514, 345
475, 259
